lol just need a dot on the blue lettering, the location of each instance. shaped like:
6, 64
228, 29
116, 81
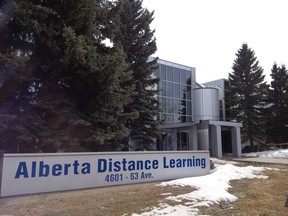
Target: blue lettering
131, 165
203, 163
56, 169
85, 168
102, 165
110, 165
147, 164
155, 164
181, 163
172, 163
76, 165
22, 170
43, 169
117, 166
33, 173
66, 168
124, 162
164, 163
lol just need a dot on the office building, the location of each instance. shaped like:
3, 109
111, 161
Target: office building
192, 115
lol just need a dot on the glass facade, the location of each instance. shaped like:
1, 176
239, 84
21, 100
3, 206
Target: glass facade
174, 92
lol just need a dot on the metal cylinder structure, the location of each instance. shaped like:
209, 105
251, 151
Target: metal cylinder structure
206, 104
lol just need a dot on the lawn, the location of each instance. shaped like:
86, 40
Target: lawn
255, 197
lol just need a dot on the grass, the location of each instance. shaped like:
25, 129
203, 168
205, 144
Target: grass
255, 197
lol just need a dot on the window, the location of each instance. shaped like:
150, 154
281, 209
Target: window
169, 119
169, 105
169, 89
169, 73
183, 107
177, 119
188, 96
176, 75
163, 72
176, 90
162, 102
183, 92
162, 88
189, 107
183, 76
174, 94
188, 77
176, 106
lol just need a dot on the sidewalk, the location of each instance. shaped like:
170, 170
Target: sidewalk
262, 160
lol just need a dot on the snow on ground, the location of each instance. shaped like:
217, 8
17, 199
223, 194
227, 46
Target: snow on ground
280, 153
210, 189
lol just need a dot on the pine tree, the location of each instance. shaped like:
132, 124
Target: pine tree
139, 44
278, 105
247, 92
61, 72
100, 74
24, 25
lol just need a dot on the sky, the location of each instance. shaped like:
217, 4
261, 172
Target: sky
204, 192
206, 34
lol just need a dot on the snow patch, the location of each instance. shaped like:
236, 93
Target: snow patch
280, 153
213, 188
165, 209
166, 194
210, 189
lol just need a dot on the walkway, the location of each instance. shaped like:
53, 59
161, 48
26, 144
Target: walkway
262, 160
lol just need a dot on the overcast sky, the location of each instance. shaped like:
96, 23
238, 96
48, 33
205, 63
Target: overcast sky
206, 34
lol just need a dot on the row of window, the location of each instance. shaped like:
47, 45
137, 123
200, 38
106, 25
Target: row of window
175, 90
175, 106
174, 94
173, 74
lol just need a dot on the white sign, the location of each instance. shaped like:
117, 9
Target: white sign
38, 173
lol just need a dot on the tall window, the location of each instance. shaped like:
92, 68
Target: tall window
174, 93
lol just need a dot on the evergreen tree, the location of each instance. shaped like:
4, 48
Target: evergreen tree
139, 44
24, 26
278, 105
247, 93
58, 70
98, 85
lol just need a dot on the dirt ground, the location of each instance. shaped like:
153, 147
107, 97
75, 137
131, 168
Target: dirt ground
256, 197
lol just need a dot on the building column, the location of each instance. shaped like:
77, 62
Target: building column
203, 138
236, 141
192, 138
215, 141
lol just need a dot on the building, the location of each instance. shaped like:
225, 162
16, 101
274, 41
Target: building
191, 115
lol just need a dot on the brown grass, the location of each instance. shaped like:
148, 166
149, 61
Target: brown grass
116, 200
256, 197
